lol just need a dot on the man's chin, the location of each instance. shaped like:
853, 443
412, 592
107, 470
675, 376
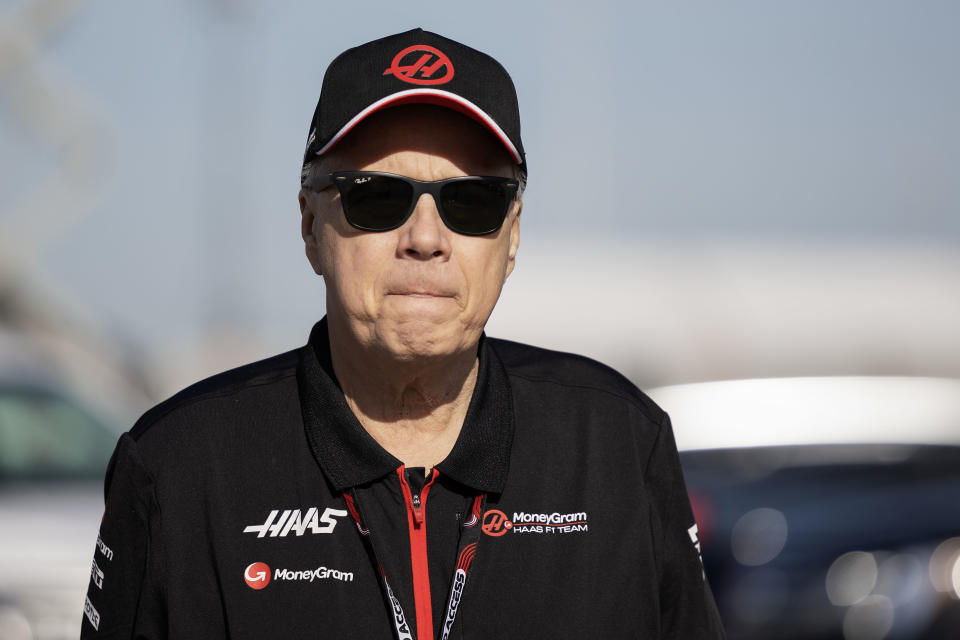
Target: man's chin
419, 339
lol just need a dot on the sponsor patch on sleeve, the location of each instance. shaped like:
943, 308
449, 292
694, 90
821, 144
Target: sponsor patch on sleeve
91, 613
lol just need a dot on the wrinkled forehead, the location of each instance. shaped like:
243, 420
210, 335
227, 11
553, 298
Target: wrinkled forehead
427, 133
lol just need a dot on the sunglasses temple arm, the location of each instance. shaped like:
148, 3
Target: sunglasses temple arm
319, 182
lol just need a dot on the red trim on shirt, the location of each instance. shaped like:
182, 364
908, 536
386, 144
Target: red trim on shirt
417, 524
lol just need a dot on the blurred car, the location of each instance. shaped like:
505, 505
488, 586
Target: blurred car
827, 507
53, 454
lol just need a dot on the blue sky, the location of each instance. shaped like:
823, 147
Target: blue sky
667, 122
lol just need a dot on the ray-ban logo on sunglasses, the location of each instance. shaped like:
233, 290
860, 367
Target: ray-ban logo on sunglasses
421, 64
362, 180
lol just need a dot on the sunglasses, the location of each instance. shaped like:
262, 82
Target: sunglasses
375, 201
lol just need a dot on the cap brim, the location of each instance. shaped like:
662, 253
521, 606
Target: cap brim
427, 96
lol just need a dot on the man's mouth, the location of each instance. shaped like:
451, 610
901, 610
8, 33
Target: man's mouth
420, 293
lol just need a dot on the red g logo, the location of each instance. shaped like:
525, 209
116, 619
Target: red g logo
257, 575
417, 70
495, 523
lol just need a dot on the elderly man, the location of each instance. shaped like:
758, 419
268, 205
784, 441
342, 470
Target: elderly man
402, 475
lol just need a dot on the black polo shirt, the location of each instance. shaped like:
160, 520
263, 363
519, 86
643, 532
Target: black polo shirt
254, 505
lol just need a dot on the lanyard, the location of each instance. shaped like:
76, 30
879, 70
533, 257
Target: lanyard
466, 551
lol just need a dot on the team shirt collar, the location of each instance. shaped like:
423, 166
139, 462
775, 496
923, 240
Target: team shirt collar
349, 456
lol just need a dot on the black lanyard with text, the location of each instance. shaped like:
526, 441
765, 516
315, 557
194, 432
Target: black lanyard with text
466, 551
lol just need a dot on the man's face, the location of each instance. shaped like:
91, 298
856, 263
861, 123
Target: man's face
421, 290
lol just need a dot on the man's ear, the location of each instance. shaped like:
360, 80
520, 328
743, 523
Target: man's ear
514, 241
308, 224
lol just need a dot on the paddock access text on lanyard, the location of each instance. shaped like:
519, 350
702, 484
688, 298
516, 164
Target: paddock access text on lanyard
469, 535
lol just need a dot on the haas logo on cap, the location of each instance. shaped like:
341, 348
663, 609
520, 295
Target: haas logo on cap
421, 64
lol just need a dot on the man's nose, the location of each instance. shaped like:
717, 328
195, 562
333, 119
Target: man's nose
424, 236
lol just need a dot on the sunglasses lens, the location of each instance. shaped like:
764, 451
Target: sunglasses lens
375, 203
474, 207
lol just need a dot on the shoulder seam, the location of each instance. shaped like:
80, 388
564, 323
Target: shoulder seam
653, 449
633, 401
187, 402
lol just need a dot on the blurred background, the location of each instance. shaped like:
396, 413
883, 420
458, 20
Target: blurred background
751, 209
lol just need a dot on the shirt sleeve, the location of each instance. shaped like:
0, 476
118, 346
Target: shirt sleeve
124, 597
687, 608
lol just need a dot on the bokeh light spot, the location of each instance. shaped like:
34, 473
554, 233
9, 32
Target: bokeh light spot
945, 566
869, 619
758, 536
851, 578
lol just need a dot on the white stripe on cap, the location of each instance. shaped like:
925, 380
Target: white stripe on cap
446, 95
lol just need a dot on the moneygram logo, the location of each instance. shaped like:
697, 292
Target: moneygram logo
104, 549
257, 575
410, 67
495, 523
309, 575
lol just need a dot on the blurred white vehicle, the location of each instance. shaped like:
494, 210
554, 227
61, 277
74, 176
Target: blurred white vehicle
827, 507
53, 454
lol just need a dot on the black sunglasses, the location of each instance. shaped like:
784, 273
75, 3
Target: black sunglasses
375, 201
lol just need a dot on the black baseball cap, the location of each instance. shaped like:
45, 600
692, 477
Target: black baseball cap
414, 67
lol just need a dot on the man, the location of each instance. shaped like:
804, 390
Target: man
402, 475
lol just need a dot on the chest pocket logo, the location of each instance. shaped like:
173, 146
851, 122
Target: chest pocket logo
292, 520
495, 523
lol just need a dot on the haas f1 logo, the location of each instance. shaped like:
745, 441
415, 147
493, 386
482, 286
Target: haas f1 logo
421, 64
495, 523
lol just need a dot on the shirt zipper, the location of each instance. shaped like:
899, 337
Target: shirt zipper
417, 526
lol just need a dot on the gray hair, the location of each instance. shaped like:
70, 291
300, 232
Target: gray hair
310, 172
